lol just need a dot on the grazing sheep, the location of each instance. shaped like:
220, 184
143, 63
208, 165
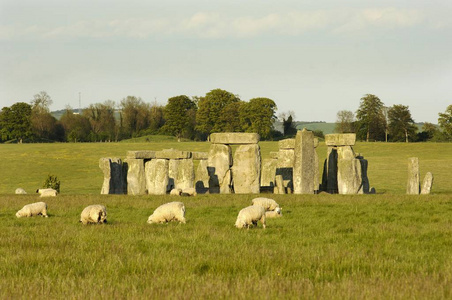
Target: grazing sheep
175, 192
250, 215
33, 209
168, 212
47, 192
277, 213
94, 214
267, 203
20, 191
189, 192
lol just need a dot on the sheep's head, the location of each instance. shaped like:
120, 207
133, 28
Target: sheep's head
18, 214
151, 219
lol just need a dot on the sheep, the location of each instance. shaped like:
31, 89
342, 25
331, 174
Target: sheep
94, 214
168, 212
47, 192
267, 203
175, 192
189, 192
277, 213
249, 216
33, 209
20, 191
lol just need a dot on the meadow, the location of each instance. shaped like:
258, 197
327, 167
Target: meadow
388, 245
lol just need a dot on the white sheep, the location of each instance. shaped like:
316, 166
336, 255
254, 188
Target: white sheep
250, 216
33, 209
277, 213
189, 192
267, 203
94, 214
20, 191
175, 192
168, 212
47, 192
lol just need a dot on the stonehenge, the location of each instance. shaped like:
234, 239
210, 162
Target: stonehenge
234, 164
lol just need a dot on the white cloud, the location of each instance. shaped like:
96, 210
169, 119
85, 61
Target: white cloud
215, 25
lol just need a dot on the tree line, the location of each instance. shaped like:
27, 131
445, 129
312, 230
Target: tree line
376, 122
183, 117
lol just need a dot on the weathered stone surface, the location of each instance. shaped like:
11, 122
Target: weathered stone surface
427, 184
173, 154
342, 139
316, 169
142, 154
173, 166
218, 167
185, 177
234, 138
285, 165
274, 155
279, 189
316, 142
246, 170
136, 183
200, 155
286, 144
364, 179
413, 176
349, 176
303, 170
114, 176
156, 171
201, 177
329, 178
268, 172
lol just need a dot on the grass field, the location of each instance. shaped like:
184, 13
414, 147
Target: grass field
388, 245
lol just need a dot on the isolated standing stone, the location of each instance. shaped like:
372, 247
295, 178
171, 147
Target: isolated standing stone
218, 167
157, 176
303, 172
201, 176
413, 176
246, 170
114, 177
136, 183
427, 184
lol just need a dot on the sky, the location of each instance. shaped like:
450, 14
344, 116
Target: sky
314, 58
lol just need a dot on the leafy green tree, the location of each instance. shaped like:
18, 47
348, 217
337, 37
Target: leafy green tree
135, 115
210, 108
344, 122
445, 122
258, 115
44, 125
76, 127
289, 128
370, 117
401, 124
102, 120
429, 130
179, 116
15, 122
229, 120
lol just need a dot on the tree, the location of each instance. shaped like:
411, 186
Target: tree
258, 116
401, 124
229, 120
102, 120
429, 130
370, 119
77, 127
134, 115
344, 122
210, 108
15, 122
178, 115
445, 122
286, 118
44, 125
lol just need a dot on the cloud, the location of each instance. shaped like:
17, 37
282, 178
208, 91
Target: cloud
214, 25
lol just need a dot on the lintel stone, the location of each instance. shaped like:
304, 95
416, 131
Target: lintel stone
142, 154
173, 154
287, 144
200, 155
342, 139
234, 138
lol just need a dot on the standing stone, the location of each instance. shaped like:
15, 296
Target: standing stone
185, 176
348, 171
286, 159
201, 177
173, 167
279, 189
246, 170
427, 184
316, 167
136, 183
365, 180
413, 176
218, 167
329, 178
114, 179
268, 172
303, 171
157, 176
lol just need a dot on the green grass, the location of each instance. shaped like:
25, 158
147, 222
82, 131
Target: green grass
325, 246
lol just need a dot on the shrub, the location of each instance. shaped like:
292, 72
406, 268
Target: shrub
52, 182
